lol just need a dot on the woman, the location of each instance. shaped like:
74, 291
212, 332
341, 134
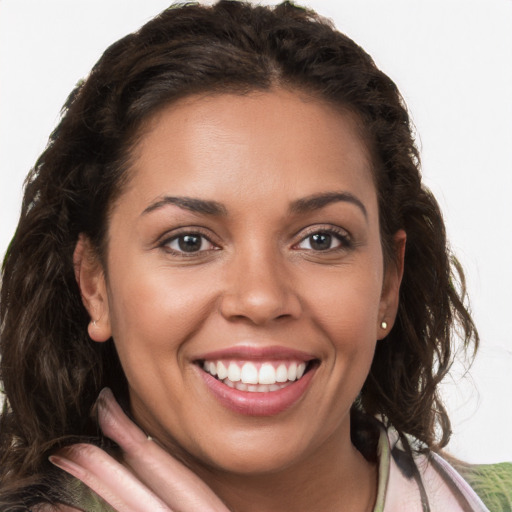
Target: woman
229, 231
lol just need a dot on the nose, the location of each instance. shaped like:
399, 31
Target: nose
259, 290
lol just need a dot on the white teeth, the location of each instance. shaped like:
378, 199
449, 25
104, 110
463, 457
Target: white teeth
255, 388
281, 373
222, 371
249, 374
292, 371
247, 377
234, 372
267, 374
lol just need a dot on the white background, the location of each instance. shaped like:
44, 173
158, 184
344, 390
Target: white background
452, 60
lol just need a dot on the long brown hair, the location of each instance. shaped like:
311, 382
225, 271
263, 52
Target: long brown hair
51, 370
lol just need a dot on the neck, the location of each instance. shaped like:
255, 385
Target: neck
335, 476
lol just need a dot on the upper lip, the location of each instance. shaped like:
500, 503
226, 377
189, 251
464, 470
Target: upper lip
253, 352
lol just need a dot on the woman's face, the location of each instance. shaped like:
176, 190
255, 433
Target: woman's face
246, 246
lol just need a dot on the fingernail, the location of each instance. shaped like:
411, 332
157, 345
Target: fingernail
114, 422
65, 464
106, 393
104, 398
102, 403
108, 414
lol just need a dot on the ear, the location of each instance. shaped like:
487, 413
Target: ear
391, 286
90, 277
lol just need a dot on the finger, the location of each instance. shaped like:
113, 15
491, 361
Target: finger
177, 485
107, 478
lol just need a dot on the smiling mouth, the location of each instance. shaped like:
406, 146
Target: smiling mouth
257, 376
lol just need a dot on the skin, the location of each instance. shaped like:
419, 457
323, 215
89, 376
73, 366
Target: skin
256, 281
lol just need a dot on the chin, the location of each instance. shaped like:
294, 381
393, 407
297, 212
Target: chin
251, 462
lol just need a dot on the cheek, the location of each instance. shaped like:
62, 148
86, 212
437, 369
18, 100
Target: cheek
346, 308
153, 313
346, 303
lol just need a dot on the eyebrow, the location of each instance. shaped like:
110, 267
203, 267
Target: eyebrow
318, 201
300, 206
192, 204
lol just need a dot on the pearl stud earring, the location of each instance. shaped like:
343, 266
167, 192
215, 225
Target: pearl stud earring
384, 325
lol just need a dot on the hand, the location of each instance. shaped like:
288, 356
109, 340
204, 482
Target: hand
155, 481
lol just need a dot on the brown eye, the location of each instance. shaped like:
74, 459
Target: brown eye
190, 243
323, 241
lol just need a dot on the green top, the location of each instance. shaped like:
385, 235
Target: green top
79, 496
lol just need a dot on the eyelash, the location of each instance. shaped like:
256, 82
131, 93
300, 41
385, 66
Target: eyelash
195, 232
340, 235
344, 239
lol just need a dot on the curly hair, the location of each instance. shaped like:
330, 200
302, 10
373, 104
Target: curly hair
51, 370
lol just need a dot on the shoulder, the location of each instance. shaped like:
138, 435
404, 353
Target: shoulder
55, 508
426, 482
75, 496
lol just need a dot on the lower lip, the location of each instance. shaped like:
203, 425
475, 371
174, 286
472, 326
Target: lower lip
257, 404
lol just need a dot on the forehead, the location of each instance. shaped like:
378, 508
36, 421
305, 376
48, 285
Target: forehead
258, 145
